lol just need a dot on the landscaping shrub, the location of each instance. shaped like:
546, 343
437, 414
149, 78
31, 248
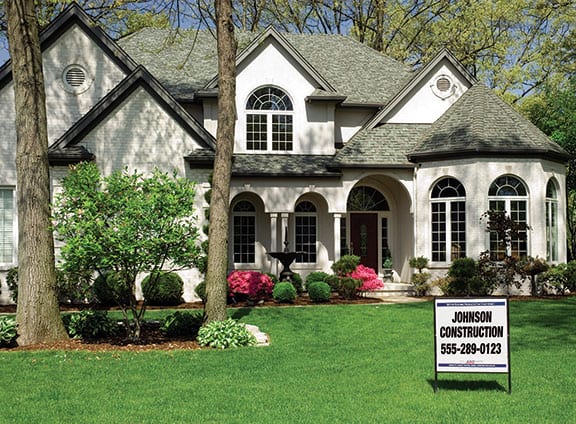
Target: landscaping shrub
316, 276
465, 281
319, 291
284, 292
345, 265
368, 277
8, 331
297, 282
90, 325
333, 281
561, 278
200, 291
72, 288
225, 334
163, 288
182, 324
110, 289
348, 287
254, 284
420, 279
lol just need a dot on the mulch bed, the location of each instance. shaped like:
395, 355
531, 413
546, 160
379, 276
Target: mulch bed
152, 338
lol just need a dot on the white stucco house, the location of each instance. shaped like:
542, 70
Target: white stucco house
337, 147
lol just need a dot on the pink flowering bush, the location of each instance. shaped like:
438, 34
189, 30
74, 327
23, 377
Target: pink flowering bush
368, 277
254, 284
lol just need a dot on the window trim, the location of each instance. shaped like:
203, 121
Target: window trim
252, 247
552, 207
14, 238
301, 214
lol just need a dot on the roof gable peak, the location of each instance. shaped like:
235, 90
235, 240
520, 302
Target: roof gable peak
271, 33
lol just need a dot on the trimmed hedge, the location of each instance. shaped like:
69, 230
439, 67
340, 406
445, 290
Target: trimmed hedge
319, 291
163, 288
284, 292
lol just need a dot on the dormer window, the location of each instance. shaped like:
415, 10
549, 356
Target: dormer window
269, 116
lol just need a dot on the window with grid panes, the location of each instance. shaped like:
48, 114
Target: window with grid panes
305, 220
551, 222
244, 232
508, 194
7, 226
269, 120
448, 205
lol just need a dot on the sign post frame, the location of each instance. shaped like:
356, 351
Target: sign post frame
472, 335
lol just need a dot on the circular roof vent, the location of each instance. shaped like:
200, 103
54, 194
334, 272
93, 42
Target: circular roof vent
443, 87
76, 79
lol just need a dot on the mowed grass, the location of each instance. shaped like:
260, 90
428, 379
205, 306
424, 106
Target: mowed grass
326, 364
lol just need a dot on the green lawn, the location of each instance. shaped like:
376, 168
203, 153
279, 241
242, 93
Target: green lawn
326, 364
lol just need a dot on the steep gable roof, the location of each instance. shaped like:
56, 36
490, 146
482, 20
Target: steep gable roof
65, 149
421, 75
75, 15
186, 61
481, 124
271, 34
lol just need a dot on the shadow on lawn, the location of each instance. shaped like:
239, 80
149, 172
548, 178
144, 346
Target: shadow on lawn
467, 386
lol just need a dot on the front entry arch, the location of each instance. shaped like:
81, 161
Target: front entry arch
369, 217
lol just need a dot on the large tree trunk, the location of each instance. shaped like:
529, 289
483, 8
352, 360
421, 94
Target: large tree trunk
38, 315
219, 205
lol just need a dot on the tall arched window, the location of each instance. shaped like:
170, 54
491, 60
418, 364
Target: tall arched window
508, 194
305, 220
448, 199
244, 232
551, 222
269, 116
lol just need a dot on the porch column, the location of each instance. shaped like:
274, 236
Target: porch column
337, 236
283, 226
273, 232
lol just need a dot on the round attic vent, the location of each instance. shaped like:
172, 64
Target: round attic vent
443, 86
76, 79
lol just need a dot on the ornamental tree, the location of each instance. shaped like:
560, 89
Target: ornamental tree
127, 224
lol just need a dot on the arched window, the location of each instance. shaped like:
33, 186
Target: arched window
366, 198
508, 194
269, 116
551, 222
306, 228
244, 232
448, 202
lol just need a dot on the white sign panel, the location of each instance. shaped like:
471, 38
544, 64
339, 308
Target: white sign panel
471, 335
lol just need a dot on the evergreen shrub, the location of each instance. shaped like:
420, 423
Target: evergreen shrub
284, 292
319, 291
110, 289
163, 288
90, 325
182, 324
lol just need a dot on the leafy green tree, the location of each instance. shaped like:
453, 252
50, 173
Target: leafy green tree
127, 224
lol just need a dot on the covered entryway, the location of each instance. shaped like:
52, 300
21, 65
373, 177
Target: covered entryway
369, 217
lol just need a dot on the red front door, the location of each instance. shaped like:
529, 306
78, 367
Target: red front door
364, 238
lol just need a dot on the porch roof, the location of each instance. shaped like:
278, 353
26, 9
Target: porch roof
271, 165
386, 145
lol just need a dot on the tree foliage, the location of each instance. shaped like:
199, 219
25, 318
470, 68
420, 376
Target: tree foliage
127, 224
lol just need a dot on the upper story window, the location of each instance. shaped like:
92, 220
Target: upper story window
448, 199
269, 117
508, 194
551, 222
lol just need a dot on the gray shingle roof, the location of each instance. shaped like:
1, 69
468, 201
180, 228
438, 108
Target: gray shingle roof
385, 145
480, 123
271, 165
186, 61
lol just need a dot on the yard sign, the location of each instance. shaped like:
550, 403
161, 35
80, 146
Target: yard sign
471, 335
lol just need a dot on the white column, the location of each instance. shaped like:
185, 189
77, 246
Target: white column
337, 253
284, 234
273, 232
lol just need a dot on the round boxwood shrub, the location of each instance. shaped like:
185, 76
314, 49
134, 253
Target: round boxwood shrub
284, 292
297, 282
182, 324
316, 276
110, 289
163, 288
319, 291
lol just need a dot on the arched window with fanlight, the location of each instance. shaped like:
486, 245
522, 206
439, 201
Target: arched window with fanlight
269, 120
306, 229
551, 221
509, 195
448, 203
244, 232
